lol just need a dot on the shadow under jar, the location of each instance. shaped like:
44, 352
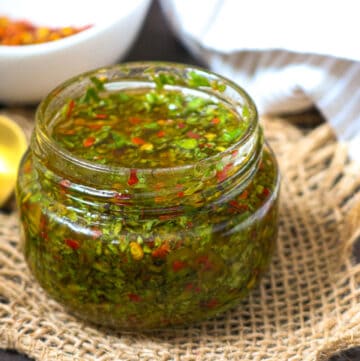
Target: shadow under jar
148, 197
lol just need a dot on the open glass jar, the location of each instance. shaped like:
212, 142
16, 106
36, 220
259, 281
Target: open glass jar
140, 247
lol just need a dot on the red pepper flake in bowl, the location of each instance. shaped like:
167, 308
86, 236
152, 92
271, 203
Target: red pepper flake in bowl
23, 32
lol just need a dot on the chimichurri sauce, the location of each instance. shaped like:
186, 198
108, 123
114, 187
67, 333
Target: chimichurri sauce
147, 128
111, 261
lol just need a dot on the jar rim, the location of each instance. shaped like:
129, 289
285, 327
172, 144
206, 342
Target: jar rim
42, 130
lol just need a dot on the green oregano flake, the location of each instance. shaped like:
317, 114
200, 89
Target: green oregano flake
164, 79
99, 85
196, 80
187, 143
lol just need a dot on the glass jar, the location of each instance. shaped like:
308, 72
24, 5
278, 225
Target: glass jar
150, 254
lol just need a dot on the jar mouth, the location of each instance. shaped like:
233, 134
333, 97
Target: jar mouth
233, 95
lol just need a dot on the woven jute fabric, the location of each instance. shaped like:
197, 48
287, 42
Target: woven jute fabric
305, 308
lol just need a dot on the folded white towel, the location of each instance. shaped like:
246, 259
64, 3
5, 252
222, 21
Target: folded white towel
289, 55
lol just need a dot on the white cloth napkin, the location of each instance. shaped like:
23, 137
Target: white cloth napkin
289, 55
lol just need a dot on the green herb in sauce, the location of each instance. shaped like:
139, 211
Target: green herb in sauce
115, 259
146, 128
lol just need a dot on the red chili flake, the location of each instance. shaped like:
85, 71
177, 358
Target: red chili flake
191, 287
190, 224
205, 262
88, 142
101, 116
159, 199
161, 133
181, 125
237, 207
134, 297
266, 192
134, 120
70, 108
215, 121
65, 183
43, 222
27, 167
122, 199
166, 217
244, 195
193, 135
138, 141
161, 252
133, 179
222, 174
95, 126
178, 265
159, 185
69, 132
57, 257
72, 243
150, 243
96, 232
212, 303
181, 194
234, 153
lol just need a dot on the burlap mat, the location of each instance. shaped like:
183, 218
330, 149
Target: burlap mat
305, 308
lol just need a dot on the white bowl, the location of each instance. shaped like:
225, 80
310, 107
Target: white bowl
29, 72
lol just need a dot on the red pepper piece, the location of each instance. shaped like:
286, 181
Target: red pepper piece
181, 194
161, 252
190, 224
221, 175
181, 125
215, 121
95, 126
72, 243
138, 141
134, 297
43, 222
166, 217
133, 179
101, 116
191, 287
193, 135
122, 199
65, 183
134, 120
70, 108
238, 207
178, 265
88, 142
27, 167
244, 194
96, 232
69, 131
212, 303
205, 262
266, 192
161, 133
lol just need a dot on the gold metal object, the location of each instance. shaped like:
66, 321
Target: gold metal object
12, 147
